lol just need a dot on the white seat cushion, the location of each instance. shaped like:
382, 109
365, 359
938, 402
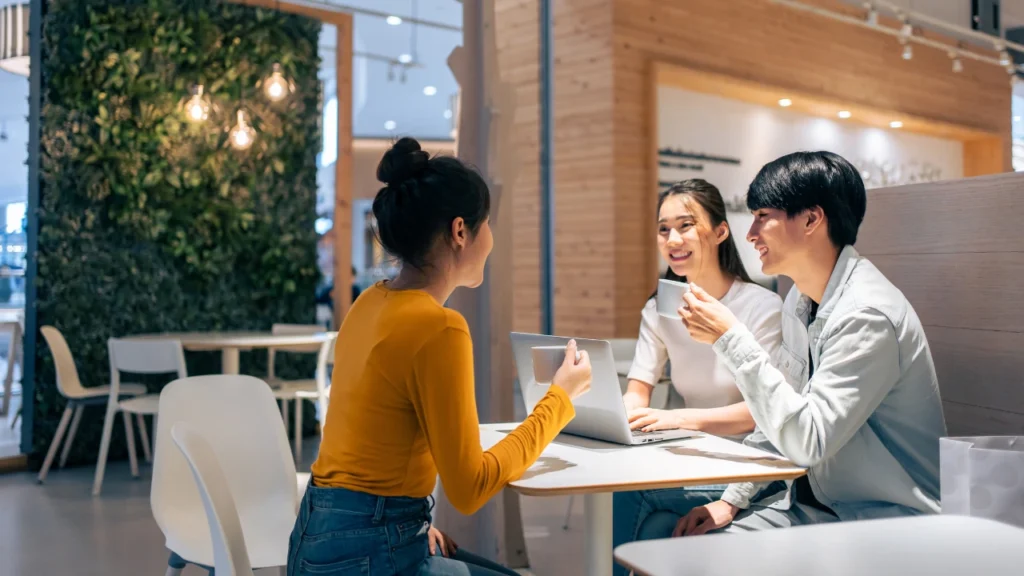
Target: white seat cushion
126, 390
289, 389
148, 404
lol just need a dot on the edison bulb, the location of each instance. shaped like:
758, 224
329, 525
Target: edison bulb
242, 135
276, 86
197, 109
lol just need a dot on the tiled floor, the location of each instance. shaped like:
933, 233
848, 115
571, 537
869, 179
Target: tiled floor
58, 528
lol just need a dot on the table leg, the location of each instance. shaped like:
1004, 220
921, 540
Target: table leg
229, 361
597, 543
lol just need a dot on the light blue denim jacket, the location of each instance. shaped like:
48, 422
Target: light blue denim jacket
867, 424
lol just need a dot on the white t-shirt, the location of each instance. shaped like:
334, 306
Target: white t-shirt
698, 375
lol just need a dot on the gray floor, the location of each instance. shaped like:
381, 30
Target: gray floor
60, 529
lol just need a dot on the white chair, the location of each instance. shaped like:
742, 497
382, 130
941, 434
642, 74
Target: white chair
295, 391
138, 357
230, 557
78, 396
238, 416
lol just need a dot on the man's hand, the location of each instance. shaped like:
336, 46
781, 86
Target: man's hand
703, 519
707, 319
652, 420
440, 542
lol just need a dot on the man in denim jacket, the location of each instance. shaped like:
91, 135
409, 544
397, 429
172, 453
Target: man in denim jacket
852, 395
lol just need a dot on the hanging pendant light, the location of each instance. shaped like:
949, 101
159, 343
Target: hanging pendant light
242, 135
276, 86
197, 109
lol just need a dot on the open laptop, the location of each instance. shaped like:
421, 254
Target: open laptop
600, 413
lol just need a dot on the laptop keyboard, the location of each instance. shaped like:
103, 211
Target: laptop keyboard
642, 433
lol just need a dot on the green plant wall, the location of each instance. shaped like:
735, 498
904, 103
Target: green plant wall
150, 224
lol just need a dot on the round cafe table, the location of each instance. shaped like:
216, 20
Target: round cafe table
231, 343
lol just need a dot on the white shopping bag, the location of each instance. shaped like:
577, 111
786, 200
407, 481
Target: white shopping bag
983, 476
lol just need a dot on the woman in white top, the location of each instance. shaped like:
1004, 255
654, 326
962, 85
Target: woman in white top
694, 238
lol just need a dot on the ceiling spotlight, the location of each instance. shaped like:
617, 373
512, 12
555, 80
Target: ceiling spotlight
872, 15
895, 124
908, 52
1016, 118
907, 30
448, 114
429, 90
405, 58
1004, 59
844, 114
785, 102
389, 125
394, 20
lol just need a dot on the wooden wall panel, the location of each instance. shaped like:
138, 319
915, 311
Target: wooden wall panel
955, 250
758, 41
518, 38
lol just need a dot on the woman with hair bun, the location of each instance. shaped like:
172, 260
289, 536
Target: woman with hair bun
402, 408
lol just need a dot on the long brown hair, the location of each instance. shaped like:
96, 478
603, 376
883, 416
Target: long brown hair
710, 199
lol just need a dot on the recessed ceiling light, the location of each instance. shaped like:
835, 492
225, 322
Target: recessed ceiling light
785, 102
405, 58
447, 113
844, 114
394, 20
1016, 118
895, 124
429, 90
389, 125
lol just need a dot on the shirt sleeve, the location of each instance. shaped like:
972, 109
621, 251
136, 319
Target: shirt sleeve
859, 365
651, 353
741, 494
444, 399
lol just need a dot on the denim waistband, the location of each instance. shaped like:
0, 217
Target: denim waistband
355, 502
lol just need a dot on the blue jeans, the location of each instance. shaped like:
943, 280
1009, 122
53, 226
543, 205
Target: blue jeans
342, 532
633, 509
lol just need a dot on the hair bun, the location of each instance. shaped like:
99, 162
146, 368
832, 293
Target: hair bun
405, 160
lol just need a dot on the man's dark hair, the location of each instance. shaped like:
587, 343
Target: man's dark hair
803, 180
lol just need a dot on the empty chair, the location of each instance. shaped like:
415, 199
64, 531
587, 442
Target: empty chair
230, 557
139, 357
238, 416
319, 397
78, 396
294, 390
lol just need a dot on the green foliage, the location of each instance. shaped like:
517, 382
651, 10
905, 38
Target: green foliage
151, 224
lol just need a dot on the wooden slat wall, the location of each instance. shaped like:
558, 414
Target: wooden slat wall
518, 38
604, 128
956, 250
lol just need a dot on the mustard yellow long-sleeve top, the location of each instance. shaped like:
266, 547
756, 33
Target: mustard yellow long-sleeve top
403, 408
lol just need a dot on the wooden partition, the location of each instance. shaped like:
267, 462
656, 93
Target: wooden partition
956, 250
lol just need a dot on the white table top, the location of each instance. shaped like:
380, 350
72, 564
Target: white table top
575, 465
933, 545
240, 339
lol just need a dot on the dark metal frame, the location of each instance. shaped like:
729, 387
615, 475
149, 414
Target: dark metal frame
547, 179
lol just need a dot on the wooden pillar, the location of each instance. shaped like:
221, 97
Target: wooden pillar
486, 108
342, 296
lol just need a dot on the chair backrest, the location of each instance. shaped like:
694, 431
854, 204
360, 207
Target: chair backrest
240, 419
623, 349
324, 367
67, 374
144, 357
230, 556
291, 330
297, 330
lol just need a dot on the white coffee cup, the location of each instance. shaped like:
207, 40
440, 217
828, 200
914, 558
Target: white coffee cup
546, 361
670, 297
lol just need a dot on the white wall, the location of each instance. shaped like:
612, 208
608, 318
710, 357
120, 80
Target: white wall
755, 135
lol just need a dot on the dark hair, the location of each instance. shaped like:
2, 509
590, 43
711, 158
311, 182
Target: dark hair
710, 199
422, 197
803, 180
